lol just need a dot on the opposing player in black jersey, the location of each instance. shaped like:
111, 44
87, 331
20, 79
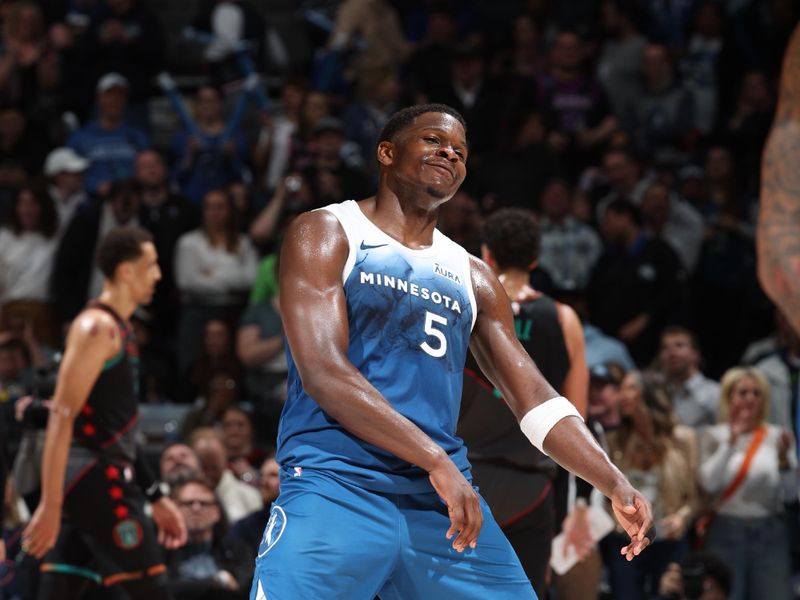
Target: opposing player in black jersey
90, 524
519, 483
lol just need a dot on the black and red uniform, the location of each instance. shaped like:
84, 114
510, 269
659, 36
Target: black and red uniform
517, 481
106, 538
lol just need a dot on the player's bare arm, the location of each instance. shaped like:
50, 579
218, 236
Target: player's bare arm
93, 338
505, 362
779, 219
314, 312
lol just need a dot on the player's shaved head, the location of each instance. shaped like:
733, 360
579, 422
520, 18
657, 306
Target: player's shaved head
406, 117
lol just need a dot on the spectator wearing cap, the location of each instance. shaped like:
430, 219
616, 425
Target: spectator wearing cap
125, 37
604, 395
633, 292
695, 397
214, 154
108, 142
64, 169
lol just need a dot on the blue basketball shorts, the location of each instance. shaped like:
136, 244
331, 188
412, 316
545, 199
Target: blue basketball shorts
329, 539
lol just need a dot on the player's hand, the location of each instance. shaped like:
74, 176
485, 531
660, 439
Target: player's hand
41, 533
2, 550
170, 523
463, 506
634, 514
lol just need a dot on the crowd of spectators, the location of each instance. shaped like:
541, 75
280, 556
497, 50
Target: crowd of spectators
632, 128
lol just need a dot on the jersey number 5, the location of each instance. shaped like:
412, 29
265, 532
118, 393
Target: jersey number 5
441, 348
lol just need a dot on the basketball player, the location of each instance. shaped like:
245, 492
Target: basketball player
518, 482
90, 524
379, 308
779, 218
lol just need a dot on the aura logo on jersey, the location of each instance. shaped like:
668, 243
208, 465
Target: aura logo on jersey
274, 530
443, 271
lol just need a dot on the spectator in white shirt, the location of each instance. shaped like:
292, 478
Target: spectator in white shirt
65, 168
238, 499
569, 248
215, 266
749, 532
27, 250
695, 398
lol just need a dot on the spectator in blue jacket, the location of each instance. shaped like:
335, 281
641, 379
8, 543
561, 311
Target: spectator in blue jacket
108, 142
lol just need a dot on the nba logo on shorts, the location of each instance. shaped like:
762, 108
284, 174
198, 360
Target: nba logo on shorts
274, 530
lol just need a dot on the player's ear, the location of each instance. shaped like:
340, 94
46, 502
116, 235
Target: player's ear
124, 271
385, 153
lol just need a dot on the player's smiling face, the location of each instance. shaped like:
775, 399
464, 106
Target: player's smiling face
432, 154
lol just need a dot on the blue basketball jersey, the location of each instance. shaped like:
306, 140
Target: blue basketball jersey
410, 315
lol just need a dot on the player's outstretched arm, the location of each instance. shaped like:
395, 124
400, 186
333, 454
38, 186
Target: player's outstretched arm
779, 218
506, 363
314, 312
93, 338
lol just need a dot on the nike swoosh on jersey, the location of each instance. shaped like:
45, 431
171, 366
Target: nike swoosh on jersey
370, 246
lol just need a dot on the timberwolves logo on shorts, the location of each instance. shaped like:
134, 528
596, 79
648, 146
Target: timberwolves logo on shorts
127, 534
273, 531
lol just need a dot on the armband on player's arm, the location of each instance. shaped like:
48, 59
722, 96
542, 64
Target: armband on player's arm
538, 421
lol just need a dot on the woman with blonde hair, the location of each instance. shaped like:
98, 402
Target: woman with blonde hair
660, 455
746, 464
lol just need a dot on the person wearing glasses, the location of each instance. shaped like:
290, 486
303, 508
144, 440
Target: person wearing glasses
209, 566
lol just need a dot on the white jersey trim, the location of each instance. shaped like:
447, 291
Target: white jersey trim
345, 218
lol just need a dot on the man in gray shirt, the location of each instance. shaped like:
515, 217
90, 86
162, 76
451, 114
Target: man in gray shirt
695, 398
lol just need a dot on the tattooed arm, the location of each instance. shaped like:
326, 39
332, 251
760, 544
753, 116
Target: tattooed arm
779, 219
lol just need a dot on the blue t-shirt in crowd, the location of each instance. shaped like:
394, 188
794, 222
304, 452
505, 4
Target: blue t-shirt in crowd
111, 152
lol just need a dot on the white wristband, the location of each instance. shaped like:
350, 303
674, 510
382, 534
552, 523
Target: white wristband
538, 421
